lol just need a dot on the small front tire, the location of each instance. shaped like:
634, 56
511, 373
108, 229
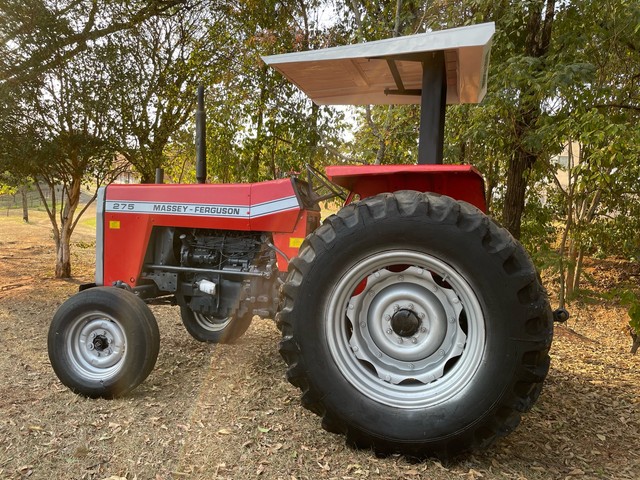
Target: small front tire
103, 342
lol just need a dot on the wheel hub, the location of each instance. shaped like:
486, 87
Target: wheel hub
100, 343
405, 323
97, 344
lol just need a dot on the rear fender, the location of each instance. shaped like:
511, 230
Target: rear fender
461, 182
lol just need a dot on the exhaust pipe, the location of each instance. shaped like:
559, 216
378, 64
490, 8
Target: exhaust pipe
201, 138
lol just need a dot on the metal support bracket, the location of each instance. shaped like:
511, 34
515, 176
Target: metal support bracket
432, 109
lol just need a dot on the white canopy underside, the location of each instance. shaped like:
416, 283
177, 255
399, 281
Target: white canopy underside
359, 74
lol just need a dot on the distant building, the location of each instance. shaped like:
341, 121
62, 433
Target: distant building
562, 162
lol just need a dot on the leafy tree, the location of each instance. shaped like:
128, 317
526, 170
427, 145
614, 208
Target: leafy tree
259, 125
599, 204
75, 146
153, 75
38, 35
387, 134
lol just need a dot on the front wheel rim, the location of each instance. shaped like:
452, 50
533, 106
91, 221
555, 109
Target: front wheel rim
405, 328
96, 345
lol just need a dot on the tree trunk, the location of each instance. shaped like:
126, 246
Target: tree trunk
572, 264
63, 241
25, 203
63, 254
146, 177
541, 14
578, 274
636, 343
517, 179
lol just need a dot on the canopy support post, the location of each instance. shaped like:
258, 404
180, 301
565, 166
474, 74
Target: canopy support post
432, 109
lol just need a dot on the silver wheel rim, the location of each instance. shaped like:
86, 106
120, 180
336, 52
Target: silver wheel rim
211, 324
96, 345
405, 328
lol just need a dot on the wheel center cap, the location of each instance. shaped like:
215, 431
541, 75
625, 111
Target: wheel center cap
405, 323
100, 343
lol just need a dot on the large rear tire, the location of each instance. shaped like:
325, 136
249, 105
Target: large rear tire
414, 324
103, 342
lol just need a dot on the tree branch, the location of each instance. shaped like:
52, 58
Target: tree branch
51, 56
618, 105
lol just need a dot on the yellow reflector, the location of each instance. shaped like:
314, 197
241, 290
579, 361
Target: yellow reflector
114, 224
295, 242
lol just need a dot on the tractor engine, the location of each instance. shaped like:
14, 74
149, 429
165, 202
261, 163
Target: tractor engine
227, 251
215, 273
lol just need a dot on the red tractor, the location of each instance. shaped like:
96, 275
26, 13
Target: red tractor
411, 321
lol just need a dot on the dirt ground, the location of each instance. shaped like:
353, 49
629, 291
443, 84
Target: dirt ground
227, 411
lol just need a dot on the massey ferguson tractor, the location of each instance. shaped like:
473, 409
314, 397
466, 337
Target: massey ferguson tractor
410, 321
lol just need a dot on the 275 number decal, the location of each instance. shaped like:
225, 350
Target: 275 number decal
122, 206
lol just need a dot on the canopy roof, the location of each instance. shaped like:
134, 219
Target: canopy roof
390, 71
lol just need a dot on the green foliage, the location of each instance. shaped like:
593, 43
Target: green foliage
6, 189
259, 126
152, 79
39, 35
631, 300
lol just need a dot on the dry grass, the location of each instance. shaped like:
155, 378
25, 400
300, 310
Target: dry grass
227, 412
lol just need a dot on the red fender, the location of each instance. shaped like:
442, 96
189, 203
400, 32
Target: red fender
462, 182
